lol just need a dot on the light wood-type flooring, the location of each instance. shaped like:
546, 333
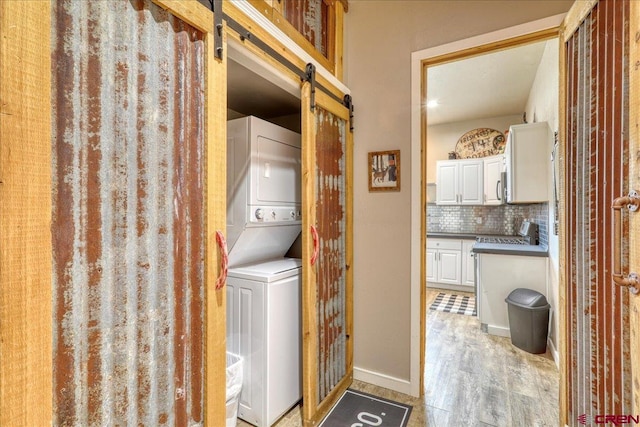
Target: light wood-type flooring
472, 379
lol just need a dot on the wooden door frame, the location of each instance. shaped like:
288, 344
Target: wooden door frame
26, 390
546, 28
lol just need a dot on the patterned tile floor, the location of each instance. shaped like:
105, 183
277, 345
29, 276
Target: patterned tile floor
472, 379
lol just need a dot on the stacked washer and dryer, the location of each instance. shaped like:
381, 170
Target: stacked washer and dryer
263, 285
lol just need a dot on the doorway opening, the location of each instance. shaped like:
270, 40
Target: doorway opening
264, 283
456, 218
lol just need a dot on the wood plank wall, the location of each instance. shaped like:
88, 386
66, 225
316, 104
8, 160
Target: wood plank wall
128, 215
597, 170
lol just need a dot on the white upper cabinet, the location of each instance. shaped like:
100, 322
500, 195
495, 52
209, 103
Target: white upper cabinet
447, 187
493, 180
459, 182
527, 160
471, 188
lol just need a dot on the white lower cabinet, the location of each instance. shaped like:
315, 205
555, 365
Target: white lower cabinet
449, 266
468, 264
447, 262
432, 264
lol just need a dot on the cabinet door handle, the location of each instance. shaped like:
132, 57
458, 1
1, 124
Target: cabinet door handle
224, 260
632, 202
498, 192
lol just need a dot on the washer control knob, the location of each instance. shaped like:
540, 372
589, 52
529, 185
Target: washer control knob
293, 214
273, 214
259, 213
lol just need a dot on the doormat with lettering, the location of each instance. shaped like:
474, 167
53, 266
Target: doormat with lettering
361, 409
457, 304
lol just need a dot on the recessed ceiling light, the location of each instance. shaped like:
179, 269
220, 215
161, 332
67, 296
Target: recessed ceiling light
433, 103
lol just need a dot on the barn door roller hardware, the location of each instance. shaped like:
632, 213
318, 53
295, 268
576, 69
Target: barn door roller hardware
348, 102
632, 202
217, 25
310, 76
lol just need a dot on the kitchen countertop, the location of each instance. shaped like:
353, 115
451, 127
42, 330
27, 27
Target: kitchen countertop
494, 248
506, 249
463, 236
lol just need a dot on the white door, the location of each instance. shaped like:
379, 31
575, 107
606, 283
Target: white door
493, 167
471, 186
447, 183
449, 266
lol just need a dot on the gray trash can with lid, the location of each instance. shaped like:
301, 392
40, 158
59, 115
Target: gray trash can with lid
528, 320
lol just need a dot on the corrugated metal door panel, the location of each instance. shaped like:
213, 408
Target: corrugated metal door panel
128, 215
310, 18
327, 280
597, 141
331, 265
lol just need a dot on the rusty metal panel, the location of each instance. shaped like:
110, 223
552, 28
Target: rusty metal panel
598, 155
331, 265
128, 218
310, 18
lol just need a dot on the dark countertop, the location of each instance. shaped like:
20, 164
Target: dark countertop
464, 236
502, 249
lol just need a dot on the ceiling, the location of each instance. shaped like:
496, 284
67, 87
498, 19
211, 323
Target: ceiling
248, 93
491, 85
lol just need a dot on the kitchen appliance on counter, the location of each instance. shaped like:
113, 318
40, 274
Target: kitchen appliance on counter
526, 163
528, 234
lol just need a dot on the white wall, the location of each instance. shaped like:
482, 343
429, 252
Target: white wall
543, 105
379, 38
441, 139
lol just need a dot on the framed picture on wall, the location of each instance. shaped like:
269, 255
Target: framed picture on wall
384, 170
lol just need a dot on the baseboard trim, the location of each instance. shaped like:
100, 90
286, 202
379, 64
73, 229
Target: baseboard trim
499, 331
447, 287
554, 352
382, 380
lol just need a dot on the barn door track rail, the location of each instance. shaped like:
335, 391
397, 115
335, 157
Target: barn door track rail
246, 36
632, 280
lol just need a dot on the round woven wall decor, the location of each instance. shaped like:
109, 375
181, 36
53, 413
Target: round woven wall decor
481, 142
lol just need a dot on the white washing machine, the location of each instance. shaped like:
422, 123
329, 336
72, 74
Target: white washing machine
264, 327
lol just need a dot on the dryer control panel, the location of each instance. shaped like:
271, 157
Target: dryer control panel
274, 214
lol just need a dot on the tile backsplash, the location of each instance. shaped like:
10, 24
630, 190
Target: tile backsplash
504, 219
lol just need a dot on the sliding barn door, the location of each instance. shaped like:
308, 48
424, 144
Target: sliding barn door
138, 194
326, 233
634, 184
599, 327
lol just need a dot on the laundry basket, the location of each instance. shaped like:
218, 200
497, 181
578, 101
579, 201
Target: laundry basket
234, 387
